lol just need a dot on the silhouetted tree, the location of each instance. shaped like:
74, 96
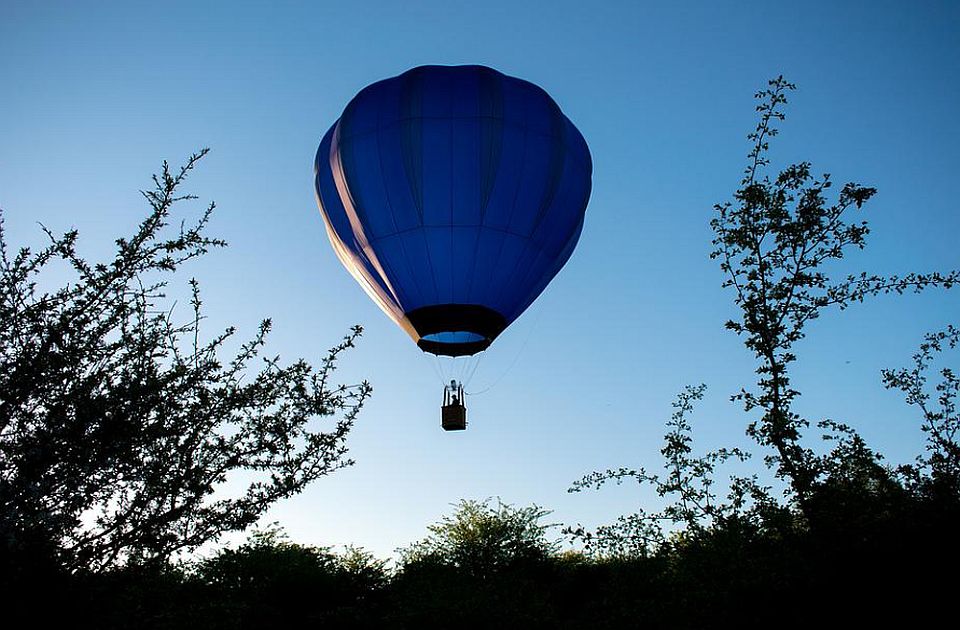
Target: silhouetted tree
485, 566
693, 505
935, 475
119, 425
481, 539
774, 243
853, 528
271, 582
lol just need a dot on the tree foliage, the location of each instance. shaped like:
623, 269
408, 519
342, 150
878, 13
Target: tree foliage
485, 565
687, 485
481, 539
774, 243
936, 474
269, 581
120, 425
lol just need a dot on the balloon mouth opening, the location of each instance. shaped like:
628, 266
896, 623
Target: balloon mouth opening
454, 343
459, 336
454, 349
456, 329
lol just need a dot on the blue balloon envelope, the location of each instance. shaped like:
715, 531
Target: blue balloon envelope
453, 194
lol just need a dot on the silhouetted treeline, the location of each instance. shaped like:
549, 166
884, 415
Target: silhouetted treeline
871, 556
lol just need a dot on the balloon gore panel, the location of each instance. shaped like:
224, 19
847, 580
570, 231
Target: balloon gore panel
453, 194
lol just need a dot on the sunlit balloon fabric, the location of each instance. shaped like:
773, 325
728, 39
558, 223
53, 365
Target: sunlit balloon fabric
453, 194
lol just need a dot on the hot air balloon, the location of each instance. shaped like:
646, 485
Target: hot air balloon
454, 195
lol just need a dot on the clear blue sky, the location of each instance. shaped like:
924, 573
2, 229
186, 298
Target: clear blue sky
94, 95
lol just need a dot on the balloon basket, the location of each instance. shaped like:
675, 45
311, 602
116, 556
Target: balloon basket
453, 417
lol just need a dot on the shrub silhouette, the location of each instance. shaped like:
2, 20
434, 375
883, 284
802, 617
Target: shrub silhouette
270, 582
120, 422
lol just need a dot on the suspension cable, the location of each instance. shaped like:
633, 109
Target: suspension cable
515, 358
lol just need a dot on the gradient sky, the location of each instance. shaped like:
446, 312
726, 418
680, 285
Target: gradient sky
94, 95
